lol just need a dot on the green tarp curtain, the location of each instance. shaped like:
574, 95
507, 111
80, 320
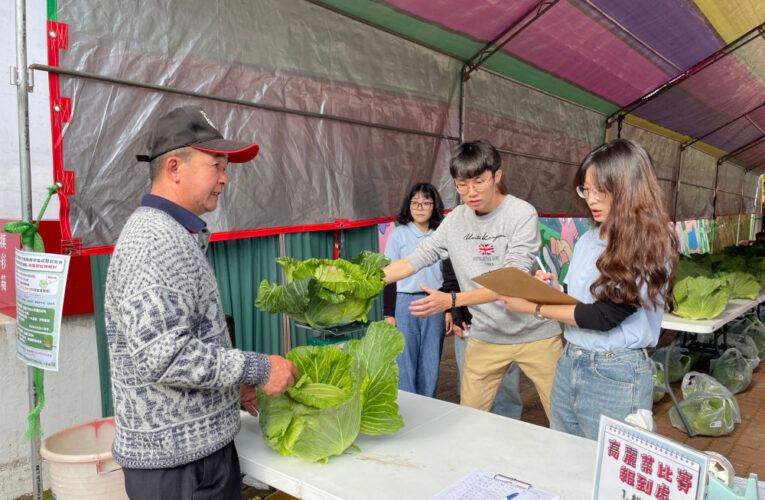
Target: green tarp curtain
240, 266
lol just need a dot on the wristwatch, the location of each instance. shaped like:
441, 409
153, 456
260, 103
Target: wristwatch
538, 312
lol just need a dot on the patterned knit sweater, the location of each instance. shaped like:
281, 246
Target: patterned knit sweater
175, 376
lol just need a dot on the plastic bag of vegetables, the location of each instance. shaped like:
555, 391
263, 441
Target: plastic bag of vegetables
679, 361
339, 394
709, 407
756, 331
658, 381
745, 344
732, 370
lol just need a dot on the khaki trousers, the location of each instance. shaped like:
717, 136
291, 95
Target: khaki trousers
486, 364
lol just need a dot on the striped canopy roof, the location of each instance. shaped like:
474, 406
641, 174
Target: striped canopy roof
706, 58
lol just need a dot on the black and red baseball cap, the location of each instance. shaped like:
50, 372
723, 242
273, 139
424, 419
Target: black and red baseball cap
190, 126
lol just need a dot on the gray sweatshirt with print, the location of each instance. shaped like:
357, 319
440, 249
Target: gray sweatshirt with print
508, 236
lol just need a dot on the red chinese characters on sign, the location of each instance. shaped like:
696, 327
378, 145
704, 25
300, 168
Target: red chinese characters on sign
642, 479
684, 480
8, 245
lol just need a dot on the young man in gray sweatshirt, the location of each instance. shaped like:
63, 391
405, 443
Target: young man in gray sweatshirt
491, 230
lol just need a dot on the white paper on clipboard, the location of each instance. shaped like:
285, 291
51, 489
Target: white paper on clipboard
478, 484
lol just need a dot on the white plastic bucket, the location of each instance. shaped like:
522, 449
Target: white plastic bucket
80, 463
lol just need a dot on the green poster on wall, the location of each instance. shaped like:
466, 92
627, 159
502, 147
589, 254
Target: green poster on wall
40, 285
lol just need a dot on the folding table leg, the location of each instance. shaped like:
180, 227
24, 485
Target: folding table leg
672, 394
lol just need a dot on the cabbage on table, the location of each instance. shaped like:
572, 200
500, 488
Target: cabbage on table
700, 297
339, 394
325, 293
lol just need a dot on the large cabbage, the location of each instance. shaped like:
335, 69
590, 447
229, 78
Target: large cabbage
700, 297
325, 293
339, 393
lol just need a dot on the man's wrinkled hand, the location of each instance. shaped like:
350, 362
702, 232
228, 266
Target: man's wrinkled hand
390, 320
283, 374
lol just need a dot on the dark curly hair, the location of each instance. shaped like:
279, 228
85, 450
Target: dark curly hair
428, 191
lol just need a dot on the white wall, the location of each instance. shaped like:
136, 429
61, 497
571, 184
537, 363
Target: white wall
39, 114
72, 396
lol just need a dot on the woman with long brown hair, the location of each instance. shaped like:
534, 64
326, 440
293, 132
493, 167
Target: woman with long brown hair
622, 272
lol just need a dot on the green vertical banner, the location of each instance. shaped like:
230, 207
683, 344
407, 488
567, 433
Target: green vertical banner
40, 285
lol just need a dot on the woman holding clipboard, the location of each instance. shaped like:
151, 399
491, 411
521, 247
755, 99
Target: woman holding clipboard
622, 272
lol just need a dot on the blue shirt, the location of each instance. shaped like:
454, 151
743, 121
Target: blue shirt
185, 218
640, 329
402, 242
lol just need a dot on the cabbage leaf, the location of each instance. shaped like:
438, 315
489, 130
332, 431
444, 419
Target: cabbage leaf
325, 293
339, 394
700, 297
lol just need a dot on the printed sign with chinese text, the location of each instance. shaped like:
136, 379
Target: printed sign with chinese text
40, 285
634, 464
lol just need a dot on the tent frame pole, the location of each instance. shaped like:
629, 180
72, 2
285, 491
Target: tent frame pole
239, 102
21, 78
493, 46
630, 108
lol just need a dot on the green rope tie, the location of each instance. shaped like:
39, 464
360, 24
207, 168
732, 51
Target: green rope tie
31, 239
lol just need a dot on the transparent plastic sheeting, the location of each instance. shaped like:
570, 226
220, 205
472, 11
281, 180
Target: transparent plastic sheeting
722, 103
309, 170
555, 134
697, 174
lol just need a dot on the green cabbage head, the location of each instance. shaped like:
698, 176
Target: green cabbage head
325, 293
700, 297
339, 394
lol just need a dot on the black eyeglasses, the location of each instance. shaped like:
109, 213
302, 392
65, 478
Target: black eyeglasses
420, 205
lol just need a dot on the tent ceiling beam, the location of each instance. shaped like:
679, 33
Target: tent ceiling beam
632, 35
743, 115
363, 21
536, 157
745, 147
664, 87
540, 91
492, 47
238, 102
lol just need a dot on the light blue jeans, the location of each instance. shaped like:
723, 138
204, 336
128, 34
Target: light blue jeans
507, 402
418, 364
590, 383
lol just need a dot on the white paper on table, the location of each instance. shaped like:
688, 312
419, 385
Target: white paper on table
481, 485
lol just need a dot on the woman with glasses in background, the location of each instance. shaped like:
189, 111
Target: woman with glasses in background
420, 214
622, 272
491, 230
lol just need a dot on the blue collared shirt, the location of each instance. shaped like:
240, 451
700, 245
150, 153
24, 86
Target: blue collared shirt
191, 222
402, 242
185, 218
640, 329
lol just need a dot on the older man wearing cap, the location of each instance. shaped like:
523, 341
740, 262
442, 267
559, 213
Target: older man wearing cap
177, 382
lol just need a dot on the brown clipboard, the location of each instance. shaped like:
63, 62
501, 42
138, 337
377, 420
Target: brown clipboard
513, 282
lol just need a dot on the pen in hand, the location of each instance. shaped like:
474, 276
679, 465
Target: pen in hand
542, 267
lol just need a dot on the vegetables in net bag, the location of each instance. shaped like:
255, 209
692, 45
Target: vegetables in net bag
732, 370
708, 406
658, 381
679, 361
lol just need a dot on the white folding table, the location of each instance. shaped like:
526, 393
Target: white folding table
440, 443
733, 309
